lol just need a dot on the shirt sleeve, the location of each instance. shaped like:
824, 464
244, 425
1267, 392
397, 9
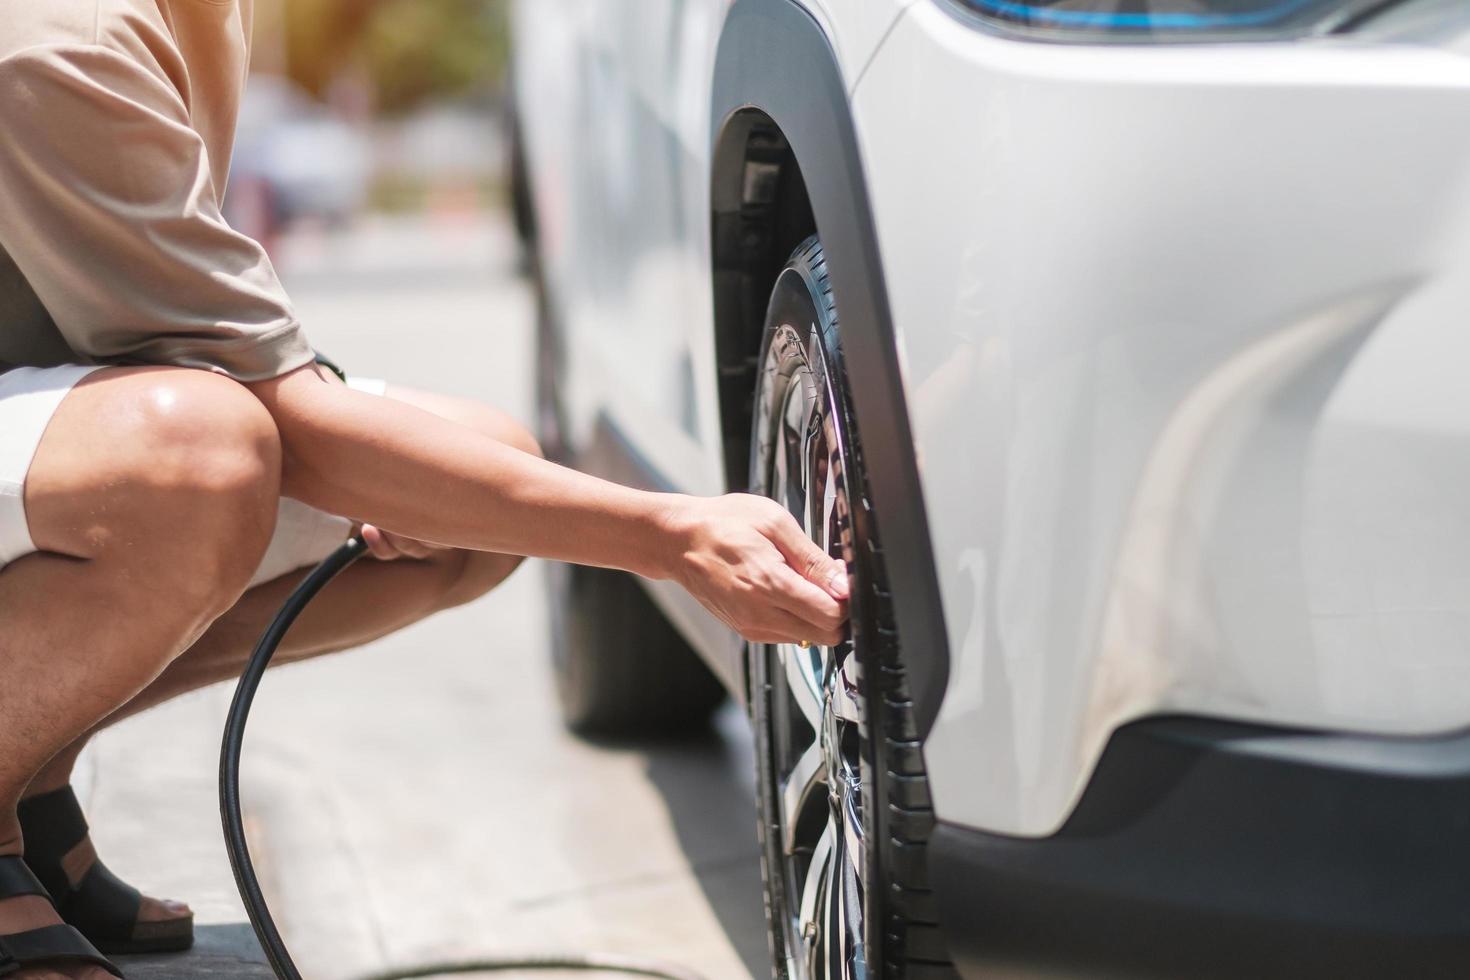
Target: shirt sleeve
108, 208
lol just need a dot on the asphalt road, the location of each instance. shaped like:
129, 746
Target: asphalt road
417, 799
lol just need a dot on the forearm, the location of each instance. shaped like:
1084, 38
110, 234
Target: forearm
401, 468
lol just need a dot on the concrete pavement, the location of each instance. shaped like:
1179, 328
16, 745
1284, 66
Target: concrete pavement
417, 799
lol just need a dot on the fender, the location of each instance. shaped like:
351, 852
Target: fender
773, 57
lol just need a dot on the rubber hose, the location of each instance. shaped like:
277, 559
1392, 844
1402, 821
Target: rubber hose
239, 848
602, 962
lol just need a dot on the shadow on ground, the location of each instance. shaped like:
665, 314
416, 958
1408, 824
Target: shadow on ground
220, 951
707, 782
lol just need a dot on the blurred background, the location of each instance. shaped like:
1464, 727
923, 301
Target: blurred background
358, 108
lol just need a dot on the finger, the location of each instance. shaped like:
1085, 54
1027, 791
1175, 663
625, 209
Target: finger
794, 630
378, 544
808, 603
810, 561
779, 626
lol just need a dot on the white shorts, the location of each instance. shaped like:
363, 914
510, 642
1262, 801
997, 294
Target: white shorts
29, 398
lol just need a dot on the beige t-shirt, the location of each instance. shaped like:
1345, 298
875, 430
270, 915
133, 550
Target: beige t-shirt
117, 119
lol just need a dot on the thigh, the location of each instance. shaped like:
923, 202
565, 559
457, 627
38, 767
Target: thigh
29, 398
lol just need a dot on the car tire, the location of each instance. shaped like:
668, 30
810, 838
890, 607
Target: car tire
622, 670
843, 798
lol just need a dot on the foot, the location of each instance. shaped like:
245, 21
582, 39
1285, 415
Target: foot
80, 860
29, 912
112, 914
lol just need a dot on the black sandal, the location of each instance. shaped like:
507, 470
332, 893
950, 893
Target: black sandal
48, 945
103, 907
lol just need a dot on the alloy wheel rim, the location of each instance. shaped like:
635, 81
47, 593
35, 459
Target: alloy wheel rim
817, 720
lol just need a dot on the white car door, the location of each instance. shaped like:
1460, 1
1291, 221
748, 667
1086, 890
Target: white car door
632, 279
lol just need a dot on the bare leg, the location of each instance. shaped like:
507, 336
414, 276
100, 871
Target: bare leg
152, 497
369, 600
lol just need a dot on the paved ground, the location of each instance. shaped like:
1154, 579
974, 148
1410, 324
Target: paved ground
418, 800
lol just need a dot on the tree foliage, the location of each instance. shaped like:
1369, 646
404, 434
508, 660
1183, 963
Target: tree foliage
410, 51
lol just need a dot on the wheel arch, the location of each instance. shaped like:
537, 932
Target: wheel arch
785, 162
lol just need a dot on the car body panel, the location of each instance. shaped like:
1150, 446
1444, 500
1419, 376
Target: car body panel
1182, 329
616, 162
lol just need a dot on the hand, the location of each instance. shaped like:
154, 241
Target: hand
387, 546
748, 562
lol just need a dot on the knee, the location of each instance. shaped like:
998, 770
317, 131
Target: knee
208, 460
501, 427
494, 423
470, 574
520, 437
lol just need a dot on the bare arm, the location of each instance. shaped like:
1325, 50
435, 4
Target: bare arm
401, 468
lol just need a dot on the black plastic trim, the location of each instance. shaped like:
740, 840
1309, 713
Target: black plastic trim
773, 57
1205, 849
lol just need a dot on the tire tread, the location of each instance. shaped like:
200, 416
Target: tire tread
914, 949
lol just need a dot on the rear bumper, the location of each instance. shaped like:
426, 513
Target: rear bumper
1203, 849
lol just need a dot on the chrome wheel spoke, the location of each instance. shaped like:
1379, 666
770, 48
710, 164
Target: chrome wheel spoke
831, 923
784, 481
811, 891
793, 470
847, 700
829, 536
849, 926
814, 466
852, 833
804, 670
807, 775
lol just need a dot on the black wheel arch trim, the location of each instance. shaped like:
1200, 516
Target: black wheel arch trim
774, 59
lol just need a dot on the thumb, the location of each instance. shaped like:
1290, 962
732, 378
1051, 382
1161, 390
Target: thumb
814, 564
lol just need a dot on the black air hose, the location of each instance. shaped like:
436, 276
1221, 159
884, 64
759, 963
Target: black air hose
239, 848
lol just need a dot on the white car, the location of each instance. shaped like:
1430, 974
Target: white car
1123, 349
